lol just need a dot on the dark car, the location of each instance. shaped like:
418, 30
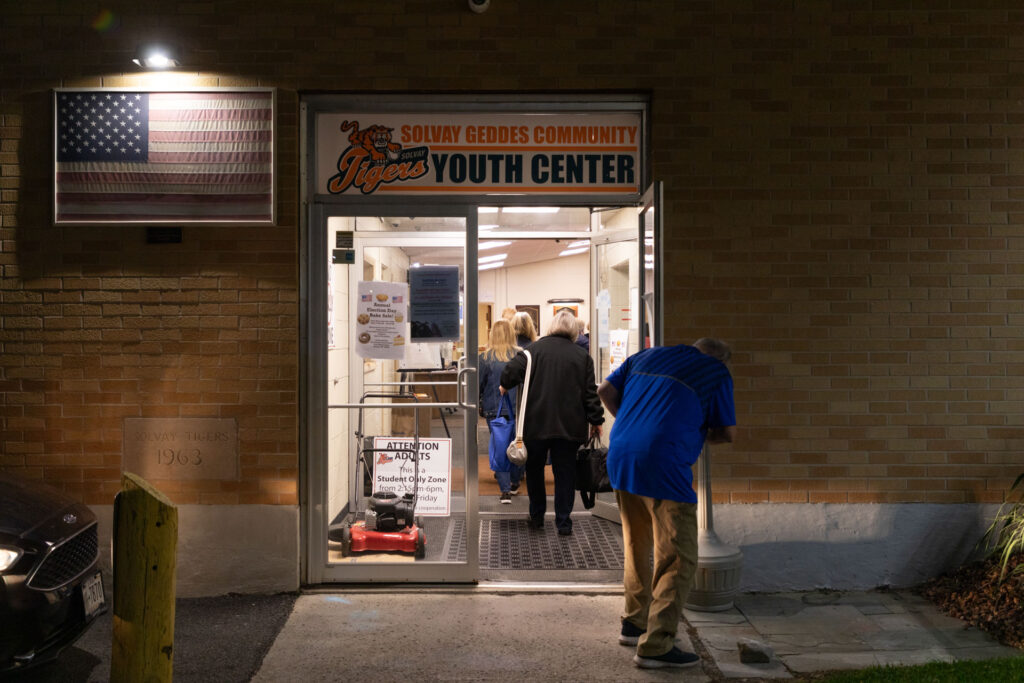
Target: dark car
50, 583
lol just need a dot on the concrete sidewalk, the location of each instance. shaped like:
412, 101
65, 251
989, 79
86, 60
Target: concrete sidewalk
479, 635
409, 633
457, 636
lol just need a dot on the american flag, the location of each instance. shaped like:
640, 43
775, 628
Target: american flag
164, 157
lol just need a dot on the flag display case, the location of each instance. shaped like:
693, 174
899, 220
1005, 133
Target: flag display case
136, 156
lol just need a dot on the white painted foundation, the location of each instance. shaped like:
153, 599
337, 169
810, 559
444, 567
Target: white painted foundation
849, 547
226, 548
255, 548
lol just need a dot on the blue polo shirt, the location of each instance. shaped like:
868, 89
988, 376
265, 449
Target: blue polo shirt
670, 395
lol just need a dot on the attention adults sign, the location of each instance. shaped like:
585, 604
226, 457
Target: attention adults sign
465, 153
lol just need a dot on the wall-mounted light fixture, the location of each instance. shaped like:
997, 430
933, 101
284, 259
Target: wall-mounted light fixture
156, 56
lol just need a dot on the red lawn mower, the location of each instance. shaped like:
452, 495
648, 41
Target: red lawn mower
389, 523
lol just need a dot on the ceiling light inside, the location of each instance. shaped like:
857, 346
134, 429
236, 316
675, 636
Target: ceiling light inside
489, 266
492, 245
530, 209
570, 252
487, 209
492, 258
578, 243
487, 226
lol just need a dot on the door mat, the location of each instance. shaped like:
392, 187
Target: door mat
510, 544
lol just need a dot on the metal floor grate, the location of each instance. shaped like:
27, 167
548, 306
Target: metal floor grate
511, 544
455, 543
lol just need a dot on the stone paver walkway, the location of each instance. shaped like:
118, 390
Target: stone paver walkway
826, 630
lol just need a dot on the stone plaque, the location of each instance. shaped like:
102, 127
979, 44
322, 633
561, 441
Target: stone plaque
181, 448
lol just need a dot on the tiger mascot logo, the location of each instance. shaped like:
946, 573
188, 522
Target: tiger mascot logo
376, 140
373, 158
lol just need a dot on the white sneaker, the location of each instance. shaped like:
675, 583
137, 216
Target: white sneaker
506, 498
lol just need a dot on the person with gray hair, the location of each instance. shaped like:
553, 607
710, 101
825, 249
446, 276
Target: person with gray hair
582, 336
667, 402
562, 413
716, 348
522, 325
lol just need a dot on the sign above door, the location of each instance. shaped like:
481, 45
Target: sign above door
459, 153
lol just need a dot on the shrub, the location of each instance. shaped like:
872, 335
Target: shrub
1005, 536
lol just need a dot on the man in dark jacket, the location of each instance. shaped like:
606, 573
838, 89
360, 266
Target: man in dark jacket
562, 412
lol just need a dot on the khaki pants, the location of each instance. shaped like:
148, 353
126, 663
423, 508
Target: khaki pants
655, 599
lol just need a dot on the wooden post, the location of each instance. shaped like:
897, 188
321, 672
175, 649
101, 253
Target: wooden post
145, 542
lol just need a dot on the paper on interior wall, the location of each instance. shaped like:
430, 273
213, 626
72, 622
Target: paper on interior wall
382, 311
421, 357
604, 305
435, 308
619, 348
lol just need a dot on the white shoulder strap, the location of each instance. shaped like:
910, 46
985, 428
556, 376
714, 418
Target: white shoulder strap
522, 403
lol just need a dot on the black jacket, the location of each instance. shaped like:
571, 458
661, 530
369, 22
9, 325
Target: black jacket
562, 400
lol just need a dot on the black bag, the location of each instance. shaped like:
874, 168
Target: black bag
592, 471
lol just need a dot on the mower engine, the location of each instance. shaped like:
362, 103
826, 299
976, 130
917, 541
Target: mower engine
387, 512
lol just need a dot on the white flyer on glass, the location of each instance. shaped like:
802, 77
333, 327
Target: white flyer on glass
393, 470
381, 315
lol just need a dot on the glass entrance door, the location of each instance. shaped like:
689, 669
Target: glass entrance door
392, 392
627, 298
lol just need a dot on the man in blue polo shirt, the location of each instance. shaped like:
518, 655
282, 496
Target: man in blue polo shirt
667, 401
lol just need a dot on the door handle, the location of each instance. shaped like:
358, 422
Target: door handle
461, 385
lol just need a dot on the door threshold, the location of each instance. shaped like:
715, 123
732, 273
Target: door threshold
490, 586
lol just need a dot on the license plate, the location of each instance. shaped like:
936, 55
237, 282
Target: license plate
92, 594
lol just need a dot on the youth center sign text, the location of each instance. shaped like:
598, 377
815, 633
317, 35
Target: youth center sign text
369, 153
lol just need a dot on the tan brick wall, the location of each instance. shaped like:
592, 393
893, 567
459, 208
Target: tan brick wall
844, 202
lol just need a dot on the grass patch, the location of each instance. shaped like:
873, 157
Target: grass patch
985, 671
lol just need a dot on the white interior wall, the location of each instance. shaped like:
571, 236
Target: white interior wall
338, 443
390, 264
622, 267
535, 283
618, 219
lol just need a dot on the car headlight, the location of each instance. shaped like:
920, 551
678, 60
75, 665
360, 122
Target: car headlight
8, 556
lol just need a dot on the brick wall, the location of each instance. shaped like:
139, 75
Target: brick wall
843, 205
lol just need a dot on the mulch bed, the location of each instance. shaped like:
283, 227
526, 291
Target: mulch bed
974, 594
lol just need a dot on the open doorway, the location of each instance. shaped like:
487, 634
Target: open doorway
535, 260
592, 271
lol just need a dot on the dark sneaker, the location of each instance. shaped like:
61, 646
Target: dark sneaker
630, 634
514, 490
506, 498
565, 531
675, 658
536, 523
